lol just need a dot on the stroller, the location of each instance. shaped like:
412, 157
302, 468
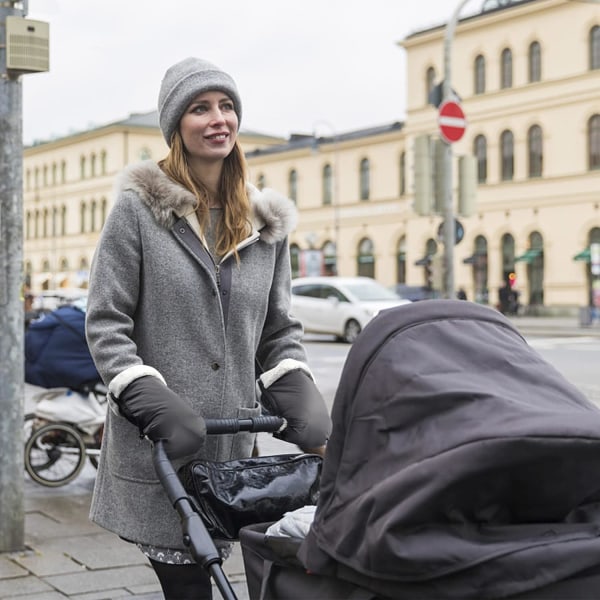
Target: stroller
67, 423
461, 465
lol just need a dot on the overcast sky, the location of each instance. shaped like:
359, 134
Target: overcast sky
300, 65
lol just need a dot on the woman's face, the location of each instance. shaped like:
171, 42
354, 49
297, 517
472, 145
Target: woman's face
209, 127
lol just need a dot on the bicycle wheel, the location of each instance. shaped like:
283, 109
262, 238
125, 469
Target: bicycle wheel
54, 454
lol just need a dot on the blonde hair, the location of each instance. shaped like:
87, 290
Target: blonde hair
231, 195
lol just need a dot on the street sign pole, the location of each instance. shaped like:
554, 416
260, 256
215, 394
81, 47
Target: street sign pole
449, 289
12, 519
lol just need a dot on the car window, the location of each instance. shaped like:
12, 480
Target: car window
311, 290
368, 291
329, 291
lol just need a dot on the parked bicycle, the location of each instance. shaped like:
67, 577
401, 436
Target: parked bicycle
65, 428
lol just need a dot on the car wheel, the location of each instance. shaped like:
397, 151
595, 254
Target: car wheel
351, 331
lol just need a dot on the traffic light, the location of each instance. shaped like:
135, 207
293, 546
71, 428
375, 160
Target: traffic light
423, 175
512, 279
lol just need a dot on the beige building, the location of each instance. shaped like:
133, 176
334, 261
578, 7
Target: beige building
528, 77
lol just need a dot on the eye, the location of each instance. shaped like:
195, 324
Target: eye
198, 108
227, 105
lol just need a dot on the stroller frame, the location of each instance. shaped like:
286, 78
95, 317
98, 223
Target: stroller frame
195, 534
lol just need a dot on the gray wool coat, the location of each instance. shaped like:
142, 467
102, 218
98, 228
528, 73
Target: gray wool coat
158, 305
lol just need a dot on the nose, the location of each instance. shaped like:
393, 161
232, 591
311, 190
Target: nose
217, 116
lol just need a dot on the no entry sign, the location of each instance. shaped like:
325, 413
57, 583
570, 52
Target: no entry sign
452, 121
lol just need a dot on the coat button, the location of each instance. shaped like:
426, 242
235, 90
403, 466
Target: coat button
181, 230
215, 366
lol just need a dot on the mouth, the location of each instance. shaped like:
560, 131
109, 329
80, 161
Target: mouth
218, 137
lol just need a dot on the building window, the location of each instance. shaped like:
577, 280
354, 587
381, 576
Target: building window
534, 151
330, 258
63, 220
479, 84
82, 167
93, 216
507, 166
293, 185
429, 83
93, 165
54, 222
506, 69
480, 153
295, 259
365, 179
28, 225
82, 216
36, 225
402, 173
45, 223
103, 162
327, 185
594, 142
535, 62
103, 207
366, 258
401, 261
54, 172
595, 47
63, 172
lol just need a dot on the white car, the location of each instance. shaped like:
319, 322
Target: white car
340, 306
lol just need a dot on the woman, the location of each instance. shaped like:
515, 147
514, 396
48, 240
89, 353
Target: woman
189, 290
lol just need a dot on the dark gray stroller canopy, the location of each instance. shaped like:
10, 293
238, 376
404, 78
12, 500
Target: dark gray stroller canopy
461, 464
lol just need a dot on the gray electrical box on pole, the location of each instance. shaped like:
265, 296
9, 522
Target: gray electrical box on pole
23, 49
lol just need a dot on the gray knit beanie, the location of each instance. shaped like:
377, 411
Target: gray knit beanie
182, 83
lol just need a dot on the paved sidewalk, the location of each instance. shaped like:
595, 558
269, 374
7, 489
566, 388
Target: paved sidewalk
69, 557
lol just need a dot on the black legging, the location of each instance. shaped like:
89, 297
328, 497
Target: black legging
183, 582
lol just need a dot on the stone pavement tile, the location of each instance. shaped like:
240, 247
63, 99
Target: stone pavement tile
42, 562
233, 567
11, 589
100, 551
9, 566
120, 594
104, 579
39, 527
43, 596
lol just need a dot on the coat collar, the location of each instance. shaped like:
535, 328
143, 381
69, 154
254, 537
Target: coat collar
274, 215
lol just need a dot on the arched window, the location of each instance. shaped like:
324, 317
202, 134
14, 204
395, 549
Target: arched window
480, 153
54, 174
535, 269
506, 69
507, 166
82, 167
93, 216
535, 151
63, 172
365, 179
45, 219
402, 174
45, 175
261, 182
401, 261
103, 162
594, 142
293, 185
295, 259
330, 258
103, 207
36, 224
535, 62
82, 211
595, 47
93, 165
63, 220
28, 179
480, 270
28, 220
366, 258
327, 185
429, 83
479, 72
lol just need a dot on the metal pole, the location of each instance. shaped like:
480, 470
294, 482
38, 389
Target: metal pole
449, 232
12, 519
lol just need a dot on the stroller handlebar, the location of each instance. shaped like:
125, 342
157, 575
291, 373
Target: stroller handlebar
266, 423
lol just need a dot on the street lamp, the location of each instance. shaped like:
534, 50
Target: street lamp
335, 200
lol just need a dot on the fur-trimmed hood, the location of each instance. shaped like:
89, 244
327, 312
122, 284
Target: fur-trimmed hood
274, 215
